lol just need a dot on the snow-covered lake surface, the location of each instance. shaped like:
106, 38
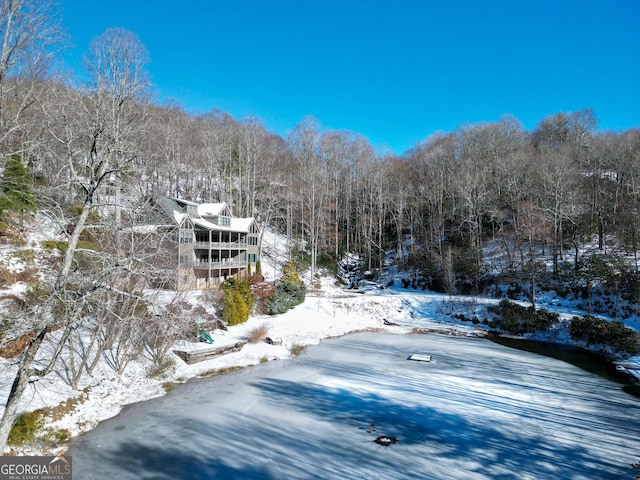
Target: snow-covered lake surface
477, 411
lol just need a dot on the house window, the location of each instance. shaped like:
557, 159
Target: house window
253, 257
224, 221
253, 240
182, 237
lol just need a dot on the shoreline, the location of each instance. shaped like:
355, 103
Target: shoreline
317, 319
477, 333
592, 361
206, 373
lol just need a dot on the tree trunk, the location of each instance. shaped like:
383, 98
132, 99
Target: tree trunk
25, 370
19, 385
600, 232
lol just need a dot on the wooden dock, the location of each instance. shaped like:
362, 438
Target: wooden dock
195, 356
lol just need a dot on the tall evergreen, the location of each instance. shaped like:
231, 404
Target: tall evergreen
289, 291
15, 187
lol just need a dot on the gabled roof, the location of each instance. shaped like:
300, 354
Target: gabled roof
241, 225
175, 208
169, 205
214, 209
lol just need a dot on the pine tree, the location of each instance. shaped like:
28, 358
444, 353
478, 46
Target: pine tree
15, 187
289, 292
290, 273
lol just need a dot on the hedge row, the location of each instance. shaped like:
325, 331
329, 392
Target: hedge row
614, 334
517, 320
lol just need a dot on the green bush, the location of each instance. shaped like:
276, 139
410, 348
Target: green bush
328, 261
613, 334
286, 296
54, 245
237, 301
300, 259
289, 291
517, 320
26, 428
630, 285
15, 187
290, 273
54, 437
587, 329
545, 319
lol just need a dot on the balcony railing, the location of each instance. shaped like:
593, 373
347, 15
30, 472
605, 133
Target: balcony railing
217, 245
204, 265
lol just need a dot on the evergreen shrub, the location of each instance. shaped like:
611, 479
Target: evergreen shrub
289, 291
517, 320
28, 430
15, 187
237, 301
25, 429
300, 259
613, 334
286, 296
50, 245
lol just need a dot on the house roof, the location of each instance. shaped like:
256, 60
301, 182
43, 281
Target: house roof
175, 209
211, 209
237, 225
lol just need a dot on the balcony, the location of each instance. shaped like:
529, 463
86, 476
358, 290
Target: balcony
220, 245
205, 265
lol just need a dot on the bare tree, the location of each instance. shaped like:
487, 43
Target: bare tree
628, 175
471, 186
120, 85
217, 132
304, 141
172, 154
99, 156
341, 152
31, 35
432, 163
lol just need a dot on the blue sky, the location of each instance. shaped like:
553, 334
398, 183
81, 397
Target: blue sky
394, 71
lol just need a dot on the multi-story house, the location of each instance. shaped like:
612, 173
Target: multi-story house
208, 244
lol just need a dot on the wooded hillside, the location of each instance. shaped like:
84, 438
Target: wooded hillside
527, 195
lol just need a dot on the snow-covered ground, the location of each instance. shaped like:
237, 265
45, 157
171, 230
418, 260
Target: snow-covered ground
335, 313
477, 411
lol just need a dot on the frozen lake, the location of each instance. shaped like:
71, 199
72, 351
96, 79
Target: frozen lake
478, 411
